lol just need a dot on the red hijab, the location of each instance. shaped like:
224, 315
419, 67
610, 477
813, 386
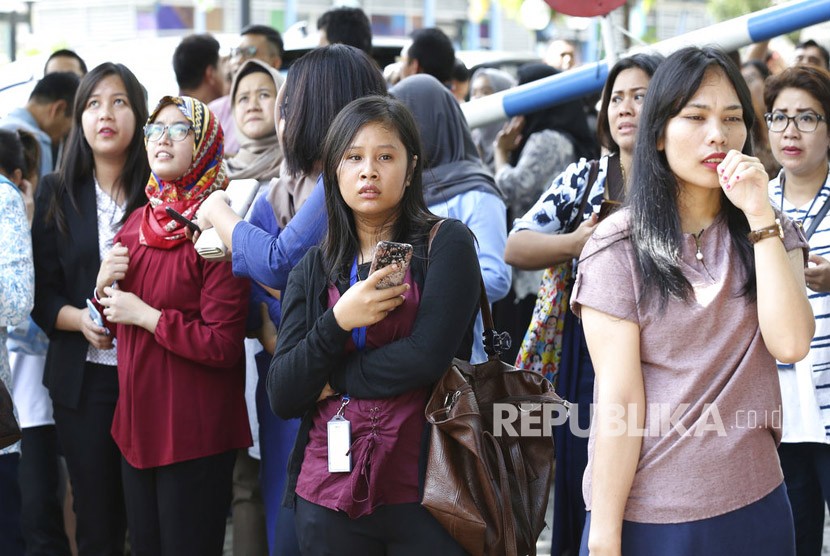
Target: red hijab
206, 174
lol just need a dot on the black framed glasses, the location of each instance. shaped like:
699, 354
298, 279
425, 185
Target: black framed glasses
244, 52
806, 122
176, 132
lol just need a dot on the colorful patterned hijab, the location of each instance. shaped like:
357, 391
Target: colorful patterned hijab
206, 174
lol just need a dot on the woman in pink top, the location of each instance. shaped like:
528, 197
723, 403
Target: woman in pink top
687, 297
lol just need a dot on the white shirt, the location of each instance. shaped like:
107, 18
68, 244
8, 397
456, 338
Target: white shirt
109, 222
805, 386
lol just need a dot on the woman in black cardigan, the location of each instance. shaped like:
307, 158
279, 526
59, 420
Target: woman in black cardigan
371, 355
77, 213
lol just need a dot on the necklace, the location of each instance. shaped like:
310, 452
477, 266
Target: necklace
698, 255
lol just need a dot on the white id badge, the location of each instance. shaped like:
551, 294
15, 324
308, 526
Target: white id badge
339, 443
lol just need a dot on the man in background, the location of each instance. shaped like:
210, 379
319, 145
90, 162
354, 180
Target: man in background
460, 81
431, 52
47, 114
346, 25
811, 53
64, 60
560, 55
196, 65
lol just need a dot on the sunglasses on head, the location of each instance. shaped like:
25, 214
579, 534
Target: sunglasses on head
243, 52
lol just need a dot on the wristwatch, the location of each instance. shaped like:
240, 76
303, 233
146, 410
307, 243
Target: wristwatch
774, 230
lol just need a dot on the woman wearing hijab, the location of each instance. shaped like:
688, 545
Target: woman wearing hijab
456, 182
253, 98
179, 321
485, 82
529, 151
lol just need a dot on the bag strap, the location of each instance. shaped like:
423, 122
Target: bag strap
496, 465
593, 171
494, 343
819, 217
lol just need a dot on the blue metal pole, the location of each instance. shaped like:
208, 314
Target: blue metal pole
496, 36
473, 39
587, 79
290, 13
429, 13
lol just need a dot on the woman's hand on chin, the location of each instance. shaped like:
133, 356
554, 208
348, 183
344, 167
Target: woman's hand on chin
744, 182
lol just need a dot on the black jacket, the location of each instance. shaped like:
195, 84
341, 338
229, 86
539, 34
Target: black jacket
66, 266
310, 350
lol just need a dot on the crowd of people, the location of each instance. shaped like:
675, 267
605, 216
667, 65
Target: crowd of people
667, 267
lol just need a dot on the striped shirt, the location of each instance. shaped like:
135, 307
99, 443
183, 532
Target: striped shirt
805, 386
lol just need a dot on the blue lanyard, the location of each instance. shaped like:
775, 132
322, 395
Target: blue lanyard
358, 334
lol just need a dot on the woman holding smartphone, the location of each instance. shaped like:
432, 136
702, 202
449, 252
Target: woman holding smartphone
180, 325
284, 223
78, 212
708, 285
369, 355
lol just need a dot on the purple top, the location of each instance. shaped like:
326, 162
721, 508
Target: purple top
386, 433
703, 361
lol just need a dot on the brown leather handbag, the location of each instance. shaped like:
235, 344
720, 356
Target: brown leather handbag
489, 492
9, 429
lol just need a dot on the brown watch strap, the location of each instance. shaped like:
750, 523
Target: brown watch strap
774, 230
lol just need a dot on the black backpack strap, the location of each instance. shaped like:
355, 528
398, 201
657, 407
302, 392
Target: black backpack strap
593, 171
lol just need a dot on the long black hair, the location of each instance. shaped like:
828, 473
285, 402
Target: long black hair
317, 88
78, 163
413, 220
656, 234
646, 62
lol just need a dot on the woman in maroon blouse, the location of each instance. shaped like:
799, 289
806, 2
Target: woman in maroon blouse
180, 323
369, 355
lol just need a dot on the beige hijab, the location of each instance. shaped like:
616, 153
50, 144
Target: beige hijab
288, 193
259, 159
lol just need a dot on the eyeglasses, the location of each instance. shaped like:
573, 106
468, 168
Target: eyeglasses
176, 132
806, 122
244, 52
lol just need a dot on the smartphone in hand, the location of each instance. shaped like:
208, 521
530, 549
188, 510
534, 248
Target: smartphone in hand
390, 252
177, 216
96, 316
